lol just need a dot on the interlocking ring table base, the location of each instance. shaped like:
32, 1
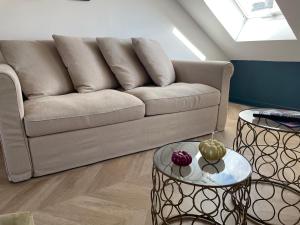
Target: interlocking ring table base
217, 193
274, 153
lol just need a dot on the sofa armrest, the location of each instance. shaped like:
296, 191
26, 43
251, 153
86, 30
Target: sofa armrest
213, 73
13, 138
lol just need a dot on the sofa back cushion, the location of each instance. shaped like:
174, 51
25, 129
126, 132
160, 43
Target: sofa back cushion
123, 61
86, 65
155, 61
39, 67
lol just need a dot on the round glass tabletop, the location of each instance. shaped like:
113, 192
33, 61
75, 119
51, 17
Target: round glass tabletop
230, 170
247, 115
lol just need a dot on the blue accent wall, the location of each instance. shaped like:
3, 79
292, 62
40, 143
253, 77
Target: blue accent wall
266, 84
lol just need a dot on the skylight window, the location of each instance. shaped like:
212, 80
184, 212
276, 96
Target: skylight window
259, 8
252, 20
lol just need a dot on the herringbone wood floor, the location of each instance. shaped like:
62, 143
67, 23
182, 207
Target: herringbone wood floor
114, 192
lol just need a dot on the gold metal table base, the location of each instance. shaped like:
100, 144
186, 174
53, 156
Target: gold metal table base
175, 202
275, 159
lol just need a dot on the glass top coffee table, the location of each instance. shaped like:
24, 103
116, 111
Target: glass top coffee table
273, 149
215, 192
247, 116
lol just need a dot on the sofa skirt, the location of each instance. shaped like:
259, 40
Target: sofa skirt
62, 151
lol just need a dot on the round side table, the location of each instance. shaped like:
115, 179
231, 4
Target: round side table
217, 193
273, 150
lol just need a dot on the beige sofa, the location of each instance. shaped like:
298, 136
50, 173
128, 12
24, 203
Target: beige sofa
45, 135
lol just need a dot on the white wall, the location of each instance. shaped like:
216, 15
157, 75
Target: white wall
286, 50
39, 19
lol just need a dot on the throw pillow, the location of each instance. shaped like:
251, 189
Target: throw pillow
87, 67
155, 60
123, 61
38, 67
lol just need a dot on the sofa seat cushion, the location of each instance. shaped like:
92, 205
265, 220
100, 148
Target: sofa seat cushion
54, 114
177, 97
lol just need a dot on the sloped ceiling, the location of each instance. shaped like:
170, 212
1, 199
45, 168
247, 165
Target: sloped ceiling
288, 50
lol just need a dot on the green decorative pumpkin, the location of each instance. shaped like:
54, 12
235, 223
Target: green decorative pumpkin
212, 149
21, 218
